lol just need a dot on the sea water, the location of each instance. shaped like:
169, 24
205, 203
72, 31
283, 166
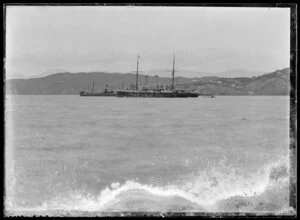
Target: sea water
100, 154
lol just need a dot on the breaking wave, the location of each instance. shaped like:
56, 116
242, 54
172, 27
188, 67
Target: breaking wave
220, 187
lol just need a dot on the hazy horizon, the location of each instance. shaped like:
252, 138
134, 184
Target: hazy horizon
43, 39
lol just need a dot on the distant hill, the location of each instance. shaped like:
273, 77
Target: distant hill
190, 73
17, 75
238, 72
275, 83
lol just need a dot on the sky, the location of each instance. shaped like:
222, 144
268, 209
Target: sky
45, 39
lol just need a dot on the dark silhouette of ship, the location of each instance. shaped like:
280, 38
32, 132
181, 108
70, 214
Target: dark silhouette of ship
157, 93
106, 92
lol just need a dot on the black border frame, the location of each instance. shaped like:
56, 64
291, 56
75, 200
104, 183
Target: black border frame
293, 103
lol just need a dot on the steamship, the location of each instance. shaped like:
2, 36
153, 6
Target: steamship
157, 93
106, 92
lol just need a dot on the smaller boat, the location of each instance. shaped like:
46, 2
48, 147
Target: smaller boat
106, 92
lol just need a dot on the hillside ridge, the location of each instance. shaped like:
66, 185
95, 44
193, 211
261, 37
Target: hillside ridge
274, 83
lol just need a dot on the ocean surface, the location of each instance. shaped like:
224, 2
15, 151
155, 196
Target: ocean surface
72, 154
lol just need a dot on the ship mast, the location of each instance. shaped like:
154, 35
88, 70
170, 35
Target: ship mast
173, 71
93, 87
137, 73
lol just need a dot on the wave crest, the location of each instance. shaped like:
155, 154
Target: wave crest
221, 187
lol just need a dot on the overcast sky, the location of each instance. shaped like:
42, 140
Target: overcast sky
42, 39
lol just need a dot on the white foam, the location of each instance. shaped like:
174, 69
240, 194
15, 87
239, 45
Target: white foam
217, 183
108, 195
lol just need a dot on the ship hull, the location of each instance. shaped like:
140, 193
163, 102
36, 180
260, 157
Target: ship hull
97, 94
155, 94
193, 95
